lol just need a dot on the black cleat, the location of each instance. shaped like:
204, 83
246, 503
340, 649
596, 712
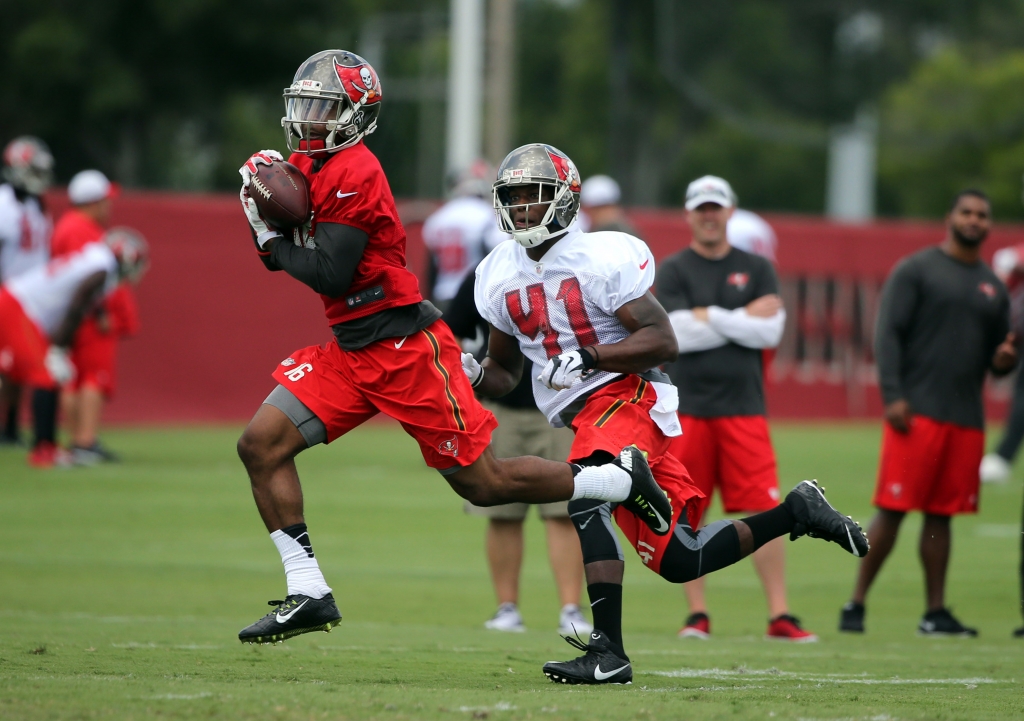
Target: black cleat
851, 618
815, 517
943, 623
1019, 633
295, 615
600, 663
647, 501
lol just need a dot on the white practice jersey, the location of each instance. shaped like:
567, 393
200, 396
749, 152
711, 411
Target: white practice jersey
566, 301
45, 293
458, 235
24, 234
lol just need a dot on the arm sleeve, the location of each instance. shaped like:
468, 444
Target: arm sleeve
462, 316
694, 335
899, 301
747, 330
327, 268
999, 331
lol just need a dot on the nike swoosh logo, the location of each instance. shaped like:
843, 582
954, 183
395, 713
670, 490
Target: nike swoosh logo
602, 675
400, 343
663, 524
285, 617
853, 548
644, 264
589, 519
345, 195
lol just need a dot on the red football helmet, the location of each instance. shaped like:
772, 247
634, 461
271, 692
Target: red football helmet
28, 165
332, 103
131, 251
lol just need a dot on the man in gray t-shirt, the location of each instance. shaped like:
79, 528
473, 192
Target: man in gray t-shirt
942, 326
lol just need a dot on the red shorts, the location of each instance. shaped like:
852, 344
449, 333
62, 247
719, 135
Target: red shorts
23, 346
616, 416
417, 380
932, 468
733, 453
94, 354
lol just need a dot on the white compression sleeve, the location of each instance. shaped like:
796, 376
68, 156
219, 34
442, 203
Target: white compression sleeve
300, 567
747, 330
692, 334
603, 483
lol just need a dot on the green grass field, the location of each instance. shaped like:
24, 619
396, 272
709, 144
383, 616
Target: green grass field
123, 589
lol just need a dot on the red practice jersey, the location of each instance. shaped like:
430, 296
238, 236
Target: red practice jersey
74, 231
350, 189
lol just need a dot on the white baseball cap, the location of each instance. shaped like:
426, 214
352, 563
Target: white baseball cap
599, 190
709, 189
90, 186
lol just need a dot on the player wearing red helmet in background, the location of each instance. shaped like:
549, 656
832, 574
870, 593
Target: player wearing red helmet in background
25, 228
391, 352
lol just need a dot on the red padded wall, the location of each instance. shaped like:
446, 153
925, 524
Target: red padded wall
215, 322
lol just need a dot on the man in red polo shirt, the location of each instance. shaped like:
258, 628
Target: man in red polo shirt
94, 349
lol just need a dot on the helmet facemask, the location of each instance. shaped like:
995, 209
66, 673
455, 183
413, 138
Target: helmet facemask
556, 197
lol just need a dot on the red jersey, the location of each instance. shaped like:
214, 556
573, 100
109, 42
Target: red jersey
350, 189
74, 230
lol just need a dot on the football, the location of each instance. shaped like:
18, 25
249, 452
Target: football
281, 193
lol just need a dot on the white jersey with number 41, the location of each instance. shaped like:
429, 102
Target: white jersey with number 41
565, 301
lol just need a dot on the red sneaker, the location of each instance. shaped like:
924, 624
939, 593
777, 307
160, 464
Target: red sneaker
49, 455
698, 625
787, 628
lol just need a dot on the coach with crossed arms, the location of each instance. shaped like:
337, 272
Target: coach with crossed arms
942, 326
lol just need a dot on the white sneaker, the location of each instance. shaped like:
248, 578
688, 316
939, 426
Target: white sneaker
507, 619
994, 469
572, 622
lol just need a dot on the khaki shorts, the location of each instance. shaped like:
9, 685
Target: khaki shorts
525, 432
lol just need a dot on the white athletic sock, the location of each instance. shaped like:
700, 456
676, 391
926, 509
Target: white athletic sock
604, 483
300, 566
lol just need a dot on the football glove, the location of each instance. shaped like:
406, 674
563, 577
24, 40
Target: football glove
58, 364
565, 369
473, 370
263, 232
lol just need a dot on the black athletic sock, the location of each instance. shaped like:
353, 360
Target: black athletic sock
770, 525
44, 416
606, 608
10, 431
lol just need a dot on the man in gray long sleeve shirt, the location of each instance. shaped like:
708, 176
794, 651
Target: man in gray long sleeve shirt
943, 324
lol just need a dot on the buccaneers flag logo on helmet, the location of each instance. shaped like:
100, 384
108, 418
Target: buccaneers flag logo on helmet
566, 171
360, 82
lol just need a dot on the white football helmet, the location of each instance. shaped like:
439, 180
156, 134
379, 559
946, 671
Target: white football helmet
545, 166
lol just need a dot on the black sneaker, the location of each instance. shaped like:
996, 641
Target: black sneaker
943, 623
600, 663
647, 501
815, 517
295, 615
851, 618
